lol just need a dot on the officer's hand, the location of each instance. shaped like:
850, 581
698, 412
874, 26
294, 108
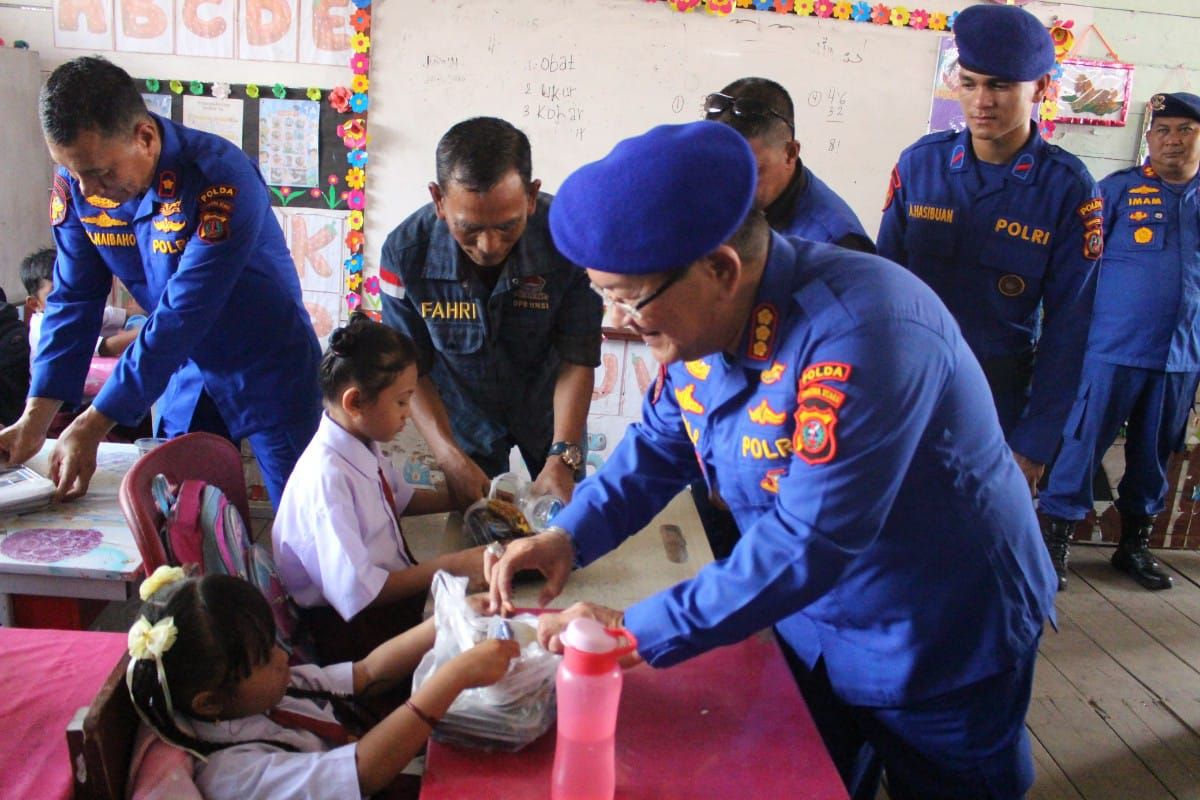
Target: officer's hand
551, 626
73, 461
556, 478
465, 480
552, 553
20, 441
1031, 470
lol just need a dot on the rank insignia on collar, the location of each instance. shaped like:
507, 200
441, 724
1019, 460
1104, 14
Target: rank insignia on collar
763, 321
1023, 168
58, 200
698, 369
958, 158
686, 397
167, 184
773, 373
893, 185
1148, 171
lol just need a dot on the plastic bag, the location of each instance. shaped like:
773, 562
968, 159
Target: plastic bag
508, 714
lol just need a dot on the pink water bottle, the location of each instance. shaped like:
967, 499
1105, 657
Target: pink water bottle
589, 690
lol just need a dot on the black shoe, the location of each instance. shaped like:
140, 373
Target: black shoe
1056, 533
1133, 556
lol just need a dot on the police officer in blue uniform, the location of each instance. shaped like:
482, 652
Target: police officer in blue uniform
507, 330
1143, 353
1005, 228
183, 219
796, 203
831, 399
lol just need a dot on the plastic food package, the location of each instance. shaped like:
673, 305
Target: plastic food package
510, 510
508, 714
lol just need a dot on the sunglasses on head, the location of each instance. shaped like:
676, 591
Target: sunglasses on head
717, 104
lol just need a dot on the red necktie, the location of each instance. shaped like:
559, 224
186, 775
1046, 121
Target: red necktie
391, 499
332, 732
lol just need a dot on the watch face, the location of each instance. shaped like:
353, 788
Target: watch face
572, 455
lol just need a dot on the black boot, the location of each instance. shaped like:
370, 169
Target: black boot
1133, 554
1056, 533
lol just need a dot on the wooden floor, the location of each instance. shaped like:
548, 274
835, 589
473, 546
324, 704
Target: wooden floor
1115, 713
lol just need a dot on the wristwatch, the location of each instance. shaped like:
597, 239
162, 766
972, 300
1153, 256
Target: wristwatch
571, 455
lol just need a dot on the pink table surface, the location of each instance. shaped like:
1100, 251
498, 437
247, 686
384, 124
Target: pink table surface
47, 676
729, 723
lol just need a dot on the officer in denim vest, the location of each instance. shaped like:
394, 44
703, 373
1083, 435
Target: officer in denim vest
507, 330
834, 401
1143, 354
1006, 228
183, 219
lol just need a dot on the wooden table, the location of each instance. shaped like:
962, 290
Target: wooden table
81, 549
729, 723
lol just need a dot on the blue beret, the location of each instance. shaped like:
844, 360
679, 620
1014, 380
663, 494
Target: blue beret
658, 201
1003, 41
1176, 104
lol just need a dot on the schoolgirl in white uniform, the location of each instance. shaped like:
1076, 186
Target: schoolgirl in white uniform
337, 540
206, 675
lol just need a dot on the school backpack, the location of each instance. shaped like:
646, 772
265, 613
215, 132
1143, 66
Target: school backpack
202, 527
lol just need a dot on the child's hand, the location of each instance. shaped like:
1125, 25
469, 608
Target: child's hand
469, 564
485, 663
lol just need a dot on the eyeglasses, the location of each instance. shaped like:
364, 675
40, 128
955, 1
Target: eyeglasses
634, 310
717, 104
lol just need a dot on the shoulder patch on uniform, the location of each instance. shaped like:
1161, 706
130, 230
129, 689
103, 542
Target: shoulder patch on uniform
893, 185
1023, 167
167, 184
1093, 241
1090, 207
60, 195
958, 158
213, 227
221, 192
825, 371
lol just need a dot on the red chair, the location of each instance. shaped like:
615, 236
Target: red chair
194, 456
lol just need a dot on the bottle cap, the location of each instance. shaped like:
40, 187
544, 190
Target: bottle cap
591, 649
589, 636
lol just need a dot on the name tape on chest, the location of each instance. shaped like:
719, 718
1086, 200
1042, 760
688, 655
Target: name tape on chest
466, 310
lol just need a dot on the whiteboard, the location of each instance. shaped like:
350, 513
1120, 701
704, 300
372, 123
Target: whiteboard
579, 75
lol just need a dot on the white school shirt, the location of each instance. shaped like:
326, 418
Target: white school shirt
255, 770
335, 537
111, 323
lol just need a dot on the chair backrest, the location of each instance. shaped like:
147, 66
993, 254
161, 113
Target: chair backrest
197, 456
104, 740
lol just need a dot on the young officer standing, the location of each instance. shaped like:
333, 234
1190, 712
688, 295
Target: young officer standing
1005, 228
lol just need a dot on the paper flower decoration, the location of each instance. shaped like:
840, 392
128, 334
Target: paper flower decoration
339, 99
374, 314
279, 90
899, 16
722, 8
359, 83
804, 8
220, 91
841, 10
360, 63
176, 87
937, 21
683, 5
313, 94
763, 5
356, 199
355, 220
252, 91
359, 103
1048, 109
861, 11
371, 285
362, 3
162, 577
354, 263
353, 133
919, 19
360, 20
357, 158
823, 9
360, 43
354, 282
151, 641
152, 85
881, 14
353, 301
951, 20
784, 6
356, 178
196, 87
1063, 38
355, 241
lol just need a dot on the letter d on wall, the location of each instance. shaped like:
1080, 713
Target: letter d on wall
269, 30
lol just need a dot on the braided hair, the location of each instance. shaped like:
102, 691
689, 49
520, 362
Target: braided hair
366, 354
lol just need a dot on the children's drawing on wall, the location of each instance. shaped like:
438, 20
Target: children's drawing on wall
945, 113
1094, 92
606, 391
222, 117
639, 371
287, 142
317, 241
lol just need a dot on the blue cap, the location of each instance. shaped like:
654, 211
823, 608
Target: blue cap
658, 201
1175, 104
1003, 41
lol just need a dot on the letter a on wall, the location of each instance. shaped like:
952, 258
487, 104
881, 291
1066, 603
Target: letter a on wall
83, 24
